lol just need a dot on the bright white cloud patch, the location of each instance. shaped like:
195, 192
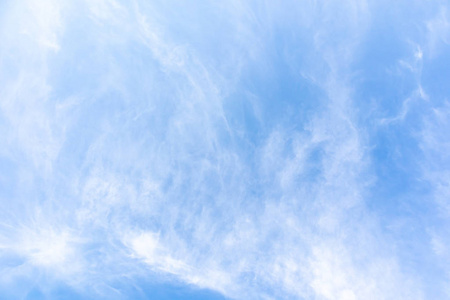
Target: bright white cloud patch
294, 150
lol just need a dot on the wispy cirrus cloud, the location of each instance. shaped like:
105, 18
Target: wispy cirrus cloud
221, 146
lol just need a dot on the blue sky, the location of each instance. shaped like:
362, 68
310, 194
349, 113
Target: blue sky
224, 149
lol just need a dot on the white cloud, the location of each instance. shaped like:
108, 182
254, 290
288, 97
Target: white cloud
147, 169
435, 144
40, 244
438, 31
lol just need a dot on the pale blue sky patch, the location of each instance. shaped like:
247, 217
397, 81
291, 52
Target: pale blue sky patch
233, 150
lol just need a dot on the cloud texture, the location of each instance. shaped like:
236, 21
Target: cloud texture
256, 149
